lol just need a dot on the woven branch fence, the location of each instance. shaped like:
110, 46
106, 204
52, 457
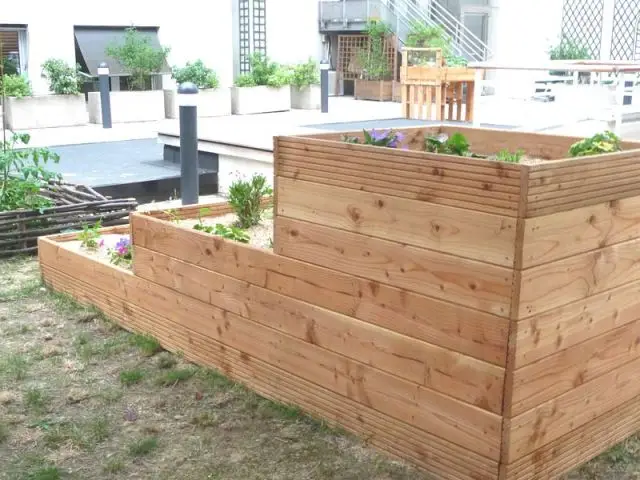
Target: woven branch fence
74, 206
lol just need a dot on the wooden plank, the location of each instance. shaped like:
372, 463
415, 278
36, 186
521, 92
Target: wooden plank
479, 236
543, 173
465, 282
458, 422
563, 234
413, 193
459, 101
420, 103
293, 167
438, 102
585, 201
469, 112
569, 325
575, 408
558, 283
457, 328
457, 375
550, 377
412, 99
429, 452
578, 446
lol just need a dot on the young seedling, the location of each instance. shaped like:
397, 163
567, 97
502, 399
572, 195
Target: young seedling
90, 235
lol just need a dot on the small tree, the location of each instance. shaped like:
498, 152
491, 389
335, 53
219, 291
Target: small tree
63, 80
373, 59
138, 57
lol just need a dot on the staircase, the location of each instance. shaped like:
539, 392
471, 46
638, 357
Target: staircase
352, 15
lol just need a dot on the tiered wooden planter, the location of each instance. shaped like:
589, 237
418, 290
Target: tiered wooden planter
479, 319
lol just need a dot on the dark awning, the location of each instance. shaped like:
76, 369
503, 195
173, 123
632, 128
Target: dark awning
92, 43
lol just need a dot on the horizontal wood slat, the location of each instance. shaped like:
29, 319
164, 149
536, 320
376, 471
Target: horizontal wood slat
484, 237
451, 373
466, 282
480, 335
441, 415
438, 456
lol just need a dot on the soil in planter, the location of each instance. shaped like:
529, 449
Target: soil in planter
107, 242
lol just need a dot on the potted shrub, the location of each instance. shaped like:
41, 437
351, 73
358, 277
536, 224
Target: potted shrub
66, 107
264, 89
212, 99
376, 82
140, 60
305, 86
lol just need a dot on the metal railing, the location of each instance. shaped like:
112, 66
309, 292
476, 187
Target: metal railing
401, 14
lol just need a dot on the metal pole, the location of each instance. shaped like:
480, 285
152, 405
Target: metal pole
189, 181
105, 95
324, 87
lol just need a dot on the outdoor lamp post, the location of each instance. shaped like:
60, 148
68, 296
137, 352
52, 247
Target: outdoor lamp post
324, 86
105, 98
189, 181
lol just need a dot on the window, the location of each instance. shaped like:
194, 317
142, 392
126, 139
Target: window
13, 48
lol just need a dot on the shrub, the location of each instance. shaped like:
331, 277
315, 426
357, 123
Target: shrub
138, 57
245, 80
245, 197
197, 73
567, 49
606, 142
422, 35
264, 72
373, 59
305, 74
63, 80
16, 86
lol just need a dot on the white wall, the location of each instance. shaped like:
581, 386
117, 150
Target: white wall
206, 35
292, 31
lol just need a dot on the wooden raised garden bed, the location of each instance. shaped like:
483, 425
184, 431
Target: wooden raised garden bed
378, 90
475, 317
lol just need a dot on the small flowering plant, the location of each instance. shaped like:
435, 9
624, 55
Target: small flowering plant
378, 138
122, 253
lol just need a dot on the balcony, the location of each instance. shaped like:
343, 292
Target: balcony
352, 15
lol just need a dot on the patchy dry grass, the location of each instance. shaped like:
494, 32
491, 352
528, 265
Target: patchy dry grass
83, 399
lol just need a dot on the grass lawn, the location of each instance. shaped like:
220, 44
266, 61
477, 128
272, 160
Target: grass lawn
82, 399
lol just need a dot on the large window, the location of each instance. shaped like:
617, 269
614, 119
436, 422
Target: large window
13, 48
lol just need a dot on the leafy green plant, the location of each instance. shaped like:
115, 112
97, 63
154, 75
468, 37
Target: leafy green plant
245, 197
22, 172
197, 73
422, 35
507, 156
456, 144
382, 138
373, 58
569, 49
138, 57
63, 80
245, 80
305, 74
232, 233
605, 142
264, 72
122, 253
90, 235
16, 86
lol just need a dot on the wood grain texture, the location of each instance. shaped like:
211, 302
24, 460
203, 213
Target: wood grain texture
474, 333
442, 458
458, 422
556, 374
454, 374
560, 235
578, 446
563, 327
479, 236
554, 284
466, 282
559, 416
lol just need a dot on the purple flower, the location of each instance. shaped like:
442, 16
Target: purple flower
101, 244
123, 245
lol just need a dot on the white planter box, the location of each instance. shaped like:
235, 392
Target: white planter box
45, 111
210, 102
129, 106
307, 98
248, 100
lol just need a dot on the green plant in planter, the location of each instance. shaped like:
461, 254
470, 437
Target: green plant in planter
264, 72
63, 80
231, 233
90, 235
23, 172
605, 142
378, 138
507, 156
568, 49
138, 57
373, 60
16, 86
305, 74
245, 197
422, 35
456, 144
197, 73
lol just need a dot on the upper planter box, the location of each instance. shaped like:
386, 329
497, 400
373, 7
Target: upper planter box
129, 106
210, 103
251, 100
46, 111
538, 263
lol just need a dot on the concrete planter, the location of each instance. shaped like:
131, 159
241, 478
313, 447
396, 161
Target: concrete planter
130, 106
249, 100
306, 98
45, 111
211, 103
